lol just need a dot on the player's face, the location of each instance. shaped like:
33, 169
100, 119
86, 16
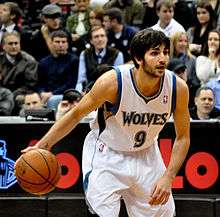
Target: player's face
155, 61
205, 102
12, 45
99, 39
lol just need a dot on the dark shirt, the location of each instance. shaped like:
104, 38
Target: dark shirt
215, 114
123, 42
57, 74
39, 48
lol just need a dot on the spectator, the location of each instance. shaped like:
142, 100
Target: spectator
208, 64
150, 15
180, 49
71, 97
216, 7
184, 13
95, 19
97, 59
6, 102
178, 67
132, 11
58, 71
166, 23
204, 101
10, 14
33, 100
119, 34
215, 85
18, 69
205, 21
78, 23
51, 17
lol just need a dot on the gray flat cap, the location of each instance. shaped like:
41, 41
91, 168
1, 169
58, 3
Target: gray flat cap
51, 9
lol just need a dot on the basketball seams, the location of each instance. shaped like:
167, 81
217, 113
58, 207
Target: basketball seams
52, 171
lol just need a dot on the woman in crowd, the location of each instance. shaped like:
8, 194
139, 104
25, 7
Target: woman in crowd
205, 21
208, 64
180, 49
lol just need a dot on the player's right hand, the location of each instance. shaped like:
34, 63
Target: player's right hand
29, 148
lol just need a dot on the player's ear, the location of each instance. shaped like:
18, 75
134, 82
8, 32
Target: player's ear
138, 61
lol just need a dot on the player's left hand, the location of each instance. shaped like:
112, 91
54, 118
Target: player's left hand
161, 191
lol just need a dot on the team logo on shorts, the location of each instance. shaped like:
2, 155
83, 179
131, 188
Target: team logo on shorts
165, 99
101, 147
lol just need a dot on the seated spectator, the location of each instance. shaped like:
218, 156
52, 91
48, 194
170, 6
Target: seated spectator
58, 71
119, 34
178, 67
179, 48
215, 85
166, 23
77, 24
150, 15
32, 100
10, 13
132, 11
205, 22
6, 102
41, 47
18, 69
71, 97
33, 108
204, 105
97, 59
208, 64
95, 19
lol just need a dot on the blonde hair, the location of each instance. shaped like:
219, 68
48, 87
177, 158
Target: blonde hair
174, 40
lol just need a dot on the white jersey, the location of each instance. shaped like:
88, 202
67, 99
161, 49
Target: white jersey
135, 120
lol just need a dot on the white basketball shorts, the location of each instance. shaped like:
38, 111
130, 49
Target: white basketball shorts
110, 176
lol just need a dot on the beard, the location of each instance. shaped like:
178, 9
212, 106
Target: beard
152, 71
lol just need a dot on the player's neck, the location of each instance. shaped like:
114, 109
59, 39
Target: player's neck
146, 84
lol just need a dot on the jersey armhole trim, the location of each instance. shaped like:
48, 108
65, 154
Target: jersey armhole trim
115, 107
173, 105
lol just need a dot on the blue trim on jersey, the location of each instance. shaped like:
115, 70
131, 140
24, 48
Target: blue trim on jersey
86, 181
146, 99
173, 106
115, 107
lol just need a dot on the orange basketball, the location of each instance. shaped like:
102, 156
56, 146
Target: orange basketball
37, 171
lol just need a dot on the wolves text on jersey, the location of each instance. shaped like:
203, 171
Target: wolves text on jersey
144, 118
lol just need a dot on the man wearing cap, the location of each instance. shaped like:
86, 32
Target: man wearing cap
41, 42
178, 67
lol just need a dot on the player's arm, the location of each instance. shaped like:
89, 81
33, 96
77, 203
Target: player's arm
182, 128
104, 90
162, 189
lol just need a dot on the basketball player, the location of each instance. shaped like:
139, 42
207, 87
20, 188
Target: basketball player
121, 158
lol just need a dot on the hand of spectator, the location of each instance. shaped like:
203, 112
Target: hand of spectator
64, 106
45, 96
74, 36
212, 51
195, 47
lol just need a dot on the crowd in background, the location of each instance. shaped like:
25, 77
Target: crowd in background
52, 52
